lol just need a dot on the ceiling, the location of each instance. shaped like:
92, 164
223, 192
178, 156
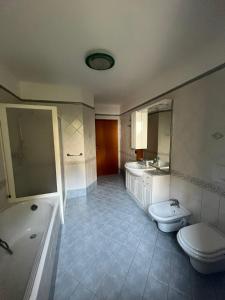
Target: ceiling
47, 40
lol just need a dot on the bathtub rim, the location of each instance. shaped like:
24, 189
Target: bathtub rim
34, 281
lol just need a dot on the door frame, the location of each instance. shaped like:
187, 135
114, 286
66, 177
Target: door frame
8, 159
115, 118
109, 117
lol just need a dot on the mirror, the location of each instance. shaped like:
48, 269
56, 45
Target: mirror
159, 134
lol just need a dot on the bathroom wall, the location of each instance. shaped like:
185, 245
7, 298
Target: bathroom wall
198, 155
107, 109
78, 136
89, 146
198, 150
126, 153
71, 117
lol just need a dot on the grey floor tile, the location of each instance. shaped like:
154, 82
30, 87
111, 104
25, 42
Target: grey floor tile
180, 275
130, 293
135, 282
65, 285
202, 287
160, 268
82, 293
175, 295
110, 287
93, 277
155, 290
116, 252
219, 285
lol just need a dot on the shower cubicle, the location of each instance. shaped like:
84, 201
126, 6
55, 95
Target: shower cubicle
30, 140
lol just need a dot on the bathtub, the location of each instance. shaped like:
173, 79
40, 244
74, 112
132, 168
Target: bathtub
28, 233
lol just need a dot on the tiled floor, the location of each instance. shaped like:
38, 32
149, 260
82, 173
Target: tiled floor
110, 249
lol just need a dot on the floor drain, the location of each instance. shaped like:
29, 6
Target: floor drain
33, 236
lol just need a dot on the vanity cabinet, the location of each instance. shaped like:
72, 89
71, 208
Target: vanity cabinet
148, 189
139, 129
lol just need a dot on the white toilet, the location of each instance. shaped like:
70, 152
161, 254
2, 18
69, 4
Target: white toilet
169, 215
205, 246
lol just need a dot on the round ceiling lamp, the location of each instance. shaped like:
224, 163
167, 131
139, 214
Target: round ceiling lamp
100, 61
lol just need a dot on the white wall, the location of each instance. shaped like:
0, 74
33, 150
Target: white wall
107, 109
8, 80
198, 159
55, 92
73, 143
89, 145
187, 69
78, 134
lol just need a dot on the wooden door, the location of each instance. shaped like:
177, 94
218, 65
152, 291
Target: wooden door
106, 146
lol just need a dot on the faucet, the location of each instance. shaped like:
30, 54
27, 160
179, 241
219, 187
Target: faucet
156, 159
5, 246
175, 202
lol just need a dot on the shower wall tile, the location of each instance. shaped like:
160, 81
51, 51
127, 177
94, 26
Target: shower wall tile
210, 207
89, 145
221, 221
73, 143
189, 195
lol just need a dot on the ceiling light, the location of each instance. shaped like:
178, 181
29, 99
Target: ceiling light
100, 61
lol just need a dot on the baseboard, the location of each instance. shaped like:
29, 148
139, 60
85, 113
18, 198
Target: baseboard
75, 193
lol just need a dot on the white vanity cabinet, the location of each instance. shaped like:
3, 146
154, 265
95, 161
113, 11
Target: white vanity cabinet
139, 129
149, 188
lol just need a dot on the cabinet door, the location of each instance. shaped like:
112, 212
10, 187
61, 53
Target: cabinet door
132, 184
147, 196
139, 128
140, 191
127, 180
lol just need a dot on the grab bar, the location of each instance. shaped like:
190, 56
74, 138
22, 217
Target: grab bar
74, 154
5, 246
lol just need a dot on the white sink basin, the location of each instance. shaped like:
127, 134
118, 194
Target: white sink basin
137, 169
162, 165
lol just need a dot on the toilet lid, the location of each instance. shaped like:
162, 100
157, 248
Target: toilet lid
203, 238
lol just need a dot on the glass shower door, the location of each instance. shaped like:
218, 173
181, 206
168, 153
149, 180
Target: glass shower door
31, 147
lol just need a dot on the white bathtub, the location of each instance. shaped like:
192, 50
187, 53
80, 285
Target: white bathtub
20, 273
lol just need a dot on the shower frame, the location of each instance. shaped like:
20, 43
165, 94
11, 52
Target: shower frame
7, 156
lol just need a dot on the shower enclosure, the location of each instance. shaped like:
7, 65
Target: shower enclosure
30, 138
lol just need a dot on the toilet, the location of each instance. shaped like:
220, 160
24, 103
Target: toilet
168, 215
205, 246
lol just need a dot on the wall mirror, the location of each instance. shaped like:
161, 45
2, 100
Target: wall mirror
159, 133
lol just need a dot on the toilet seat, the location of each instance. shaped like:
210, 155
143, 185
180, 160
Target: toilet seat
202, 242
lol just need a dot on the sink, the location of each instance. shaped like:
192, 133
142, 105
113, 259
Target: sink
162, 165
137, 169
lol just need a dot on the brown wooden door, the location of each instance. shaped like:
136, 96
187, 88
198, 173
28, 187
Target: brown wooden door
106, 146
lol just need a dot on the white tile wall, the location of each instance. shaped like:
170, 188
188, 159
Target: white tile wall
221, 221
210, 207
189, 195
198, 112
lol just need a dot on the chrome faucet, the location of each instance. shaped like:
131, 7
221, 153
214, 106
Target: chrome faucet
175, 202
5, 246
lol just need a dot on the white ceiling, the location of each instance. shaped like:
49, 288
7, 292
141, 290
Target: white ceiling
46, 40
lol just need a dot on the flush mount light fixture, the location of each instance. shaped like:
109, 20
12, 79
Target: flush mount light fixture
100, 61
